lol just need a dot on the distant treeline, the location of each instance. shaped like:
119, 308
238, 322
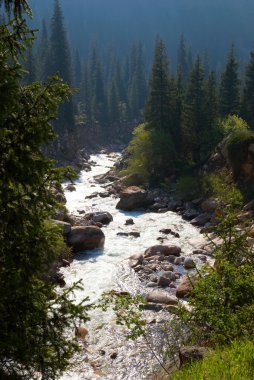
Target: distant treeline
114, 90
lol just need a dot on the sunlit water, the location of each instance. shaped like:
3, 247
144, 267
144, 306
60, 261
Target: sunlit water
107, 268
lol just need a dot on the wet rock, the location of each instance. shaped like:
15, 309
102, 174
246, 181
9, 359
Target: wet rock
157, 206
135, 260
199, 252
153, 306
189, 263
81, 332
174, 204
151, 285
93, 195
101, 217
134, 234
129, 222
59, 279
158, 296
201, 220
98, 224
104, 195
178, 261
167, 267
65, 227
165, 278
122, 234
210, 205
189, 354
190, 214
70, 187
186, 285
82, 238
113, 355
133, 198
166, 231
163, 250
162, 210
170, 258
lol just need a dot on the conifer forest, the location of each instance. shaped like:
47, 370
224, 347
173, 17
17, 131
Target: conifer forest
126, 189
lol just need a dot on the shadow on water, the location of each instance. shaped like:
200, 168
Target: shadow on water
90, 255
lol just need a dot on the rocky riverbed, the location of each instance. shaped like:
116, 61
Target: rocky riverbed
148, 251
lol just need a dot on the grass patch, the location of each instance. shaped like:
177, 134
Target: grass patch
232, 363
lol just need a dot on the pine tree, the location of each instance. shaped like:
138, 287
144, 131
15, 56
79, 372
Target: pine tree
42, 53
229, 87
157, 112
113, 105
34, 315
182, 60
77, 69
194, 117
59, 62
97, 90
248, 94
212, 113
30, 66
85, 92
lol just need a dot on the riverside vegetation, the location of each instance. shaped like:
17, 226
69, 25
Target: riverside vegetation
185, 118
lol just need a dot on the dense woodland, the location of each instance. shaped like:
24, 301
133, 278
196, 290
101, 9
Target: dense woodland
182, 108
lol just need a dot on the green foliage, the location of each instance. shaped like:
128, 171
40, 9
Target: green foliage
128, 312
189, 187
152, 156
233, 123
237, 149
233, 362
34, 317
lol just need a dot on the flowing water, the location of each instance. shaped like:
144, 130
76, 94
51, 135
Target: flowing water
106, 269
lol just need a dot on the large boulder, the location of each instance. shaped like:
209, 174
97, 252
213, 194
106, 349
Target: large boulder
158, 296
133, 198
201, 220
210, 205
165, 250
101, 217
82, 238
135, 260
186, 286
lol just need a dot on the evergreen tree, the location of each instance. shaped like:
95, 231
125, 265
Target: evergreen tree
42, 53
113, 105
77, 70
137, 85
30, 66
97, 90
59, 62
212, 112
229, 87
85, 92
248, 94
34, 315
194, 114
182, 60
157, 112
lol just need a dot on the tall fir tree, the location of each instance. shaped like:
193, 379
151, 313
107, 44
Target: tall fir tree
30, 66
248, 93
229, 95
194, 117
42, 53
157, 112
211, 111
59, 62
182, 60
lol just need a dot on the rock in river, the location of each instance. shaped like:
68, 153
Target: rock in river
133, 198
82, 238
158, 296
163, 250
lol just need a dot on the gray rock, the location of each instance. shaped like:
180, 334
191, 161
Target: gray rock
82, 238
70, 187
189, 263
133, 198
129, 222
158, 296
101, 217
164, 250
135, 260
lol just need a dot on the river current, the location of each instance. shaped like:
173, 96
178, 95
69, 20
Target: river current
107, 355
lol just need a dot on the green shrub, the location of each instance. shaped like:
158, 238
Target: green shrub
237, 149
152, 157
189, 187
232, 363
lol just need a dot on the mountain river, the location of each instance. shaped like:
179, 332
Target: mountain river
107, 354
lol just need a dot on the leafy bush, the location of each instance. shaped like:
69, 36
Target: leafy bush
237, 149
233, 362
152, 156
